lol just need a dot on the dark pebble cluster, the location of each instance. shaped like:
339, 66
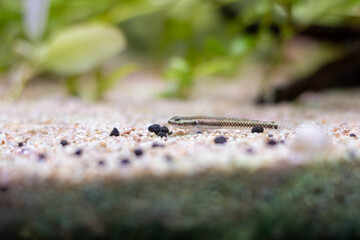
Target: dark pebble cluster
161, 131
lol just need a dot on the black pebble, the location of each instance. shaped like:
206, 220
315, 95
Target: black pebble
3, 189
154, 145
125, 161
220, 140
168, 159
162, 134
115, 132
199, 132
155, 128
250, 151
352, 135
101, 162
41, 157
138, 152
271, 142
164, 129
78, 152
20, 144
257, 129
64, 143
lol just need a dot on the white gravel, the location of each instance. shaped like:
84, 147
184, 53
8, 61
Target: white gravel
42, 122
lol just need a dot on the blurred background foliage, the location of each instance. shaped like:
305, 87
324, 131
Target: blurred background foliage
186, 39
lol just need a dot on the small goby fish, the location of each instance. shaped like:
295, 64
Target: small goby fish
205, 122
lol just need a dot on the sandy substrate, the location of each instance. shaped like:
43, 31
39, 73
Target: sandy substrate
322, 127
299, 182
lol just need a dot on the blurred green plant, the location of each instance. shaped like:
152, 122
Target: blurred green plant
201, 38
73, 52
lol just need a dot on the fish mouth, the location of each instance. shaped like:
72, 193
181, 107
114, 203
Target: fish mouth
174, 120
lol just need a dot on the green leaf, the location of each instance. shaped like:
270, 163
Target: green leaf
106, 83
219, 66
180, 75
241, 45
131, 9
80, 49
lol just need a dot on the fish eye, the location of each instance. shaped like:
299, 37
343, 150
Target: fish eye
193, 122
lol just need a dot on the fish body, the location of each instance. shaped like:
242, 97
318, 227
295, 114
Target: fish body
206, 122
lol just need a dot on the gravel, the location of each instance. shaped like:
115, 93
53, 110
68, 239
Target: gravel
162, 134
220, 140
138, 152
64, 143
78, 152
115, 132
155, 128
321, 133
271, 142
257, 129
164, 129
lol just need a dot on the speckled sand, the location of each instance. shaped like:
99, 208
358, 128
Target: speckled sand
41, 119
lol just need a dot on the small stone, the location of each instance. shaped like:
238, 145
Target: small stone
155, 128
3, 189
271, 142
138, 152
162, 134
352, 135
257, 129
20, 144
199, 132
164, 129
78, 152
270, 135
249, 151
41, 157
101, 162
64, 142
220, 140
125, 161
115, 132
154, 145
168, 159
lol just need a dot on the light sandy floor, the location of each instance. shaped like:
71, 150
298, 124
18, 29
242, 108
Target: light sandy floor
321, 128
